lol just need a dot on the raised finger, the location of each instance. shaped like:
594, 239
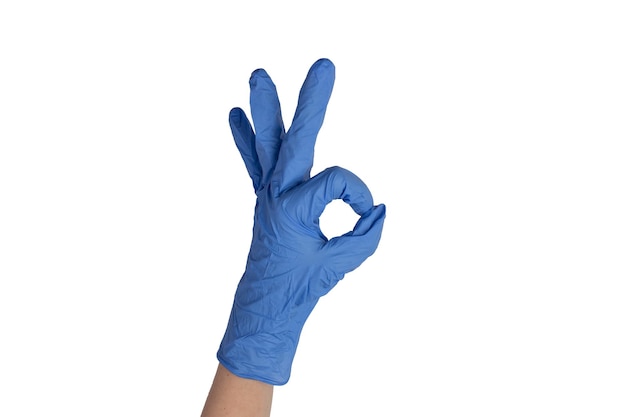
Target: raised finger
295, 158
245, 141
268, 121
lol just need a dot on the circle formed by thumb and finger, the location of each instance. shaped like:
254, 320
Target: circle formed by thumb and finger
308, 201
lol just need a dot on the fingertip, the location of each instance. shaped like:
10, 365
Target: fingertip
382, 211
323, 69
379, 213
235, 116
257, 74
375, 211
324, 62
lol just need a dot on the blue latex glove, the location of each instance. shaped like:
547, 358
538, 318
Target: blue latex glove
291, 264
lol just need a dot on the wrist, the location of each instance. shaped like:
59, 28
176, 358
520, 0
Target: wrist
258, 347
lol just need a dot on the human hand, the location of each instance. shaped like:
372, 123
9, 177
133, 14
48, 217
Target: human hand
291, 264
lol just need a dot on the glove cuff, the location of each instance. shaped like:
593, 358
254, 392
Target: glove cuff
259, 348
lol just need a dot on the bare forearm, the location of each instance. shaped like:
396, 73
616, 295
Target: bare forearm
232, 396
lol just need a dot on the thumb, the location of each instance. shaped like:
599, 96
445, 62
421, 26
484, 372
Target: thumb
345, 253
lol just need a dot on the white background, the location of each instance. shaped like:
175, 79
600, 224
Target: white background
494, 132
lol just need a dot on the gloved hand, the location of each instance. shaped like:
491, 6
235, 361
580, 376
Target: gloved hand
291, 264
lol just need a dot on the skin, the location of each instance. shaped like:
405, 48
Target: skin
232, 396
